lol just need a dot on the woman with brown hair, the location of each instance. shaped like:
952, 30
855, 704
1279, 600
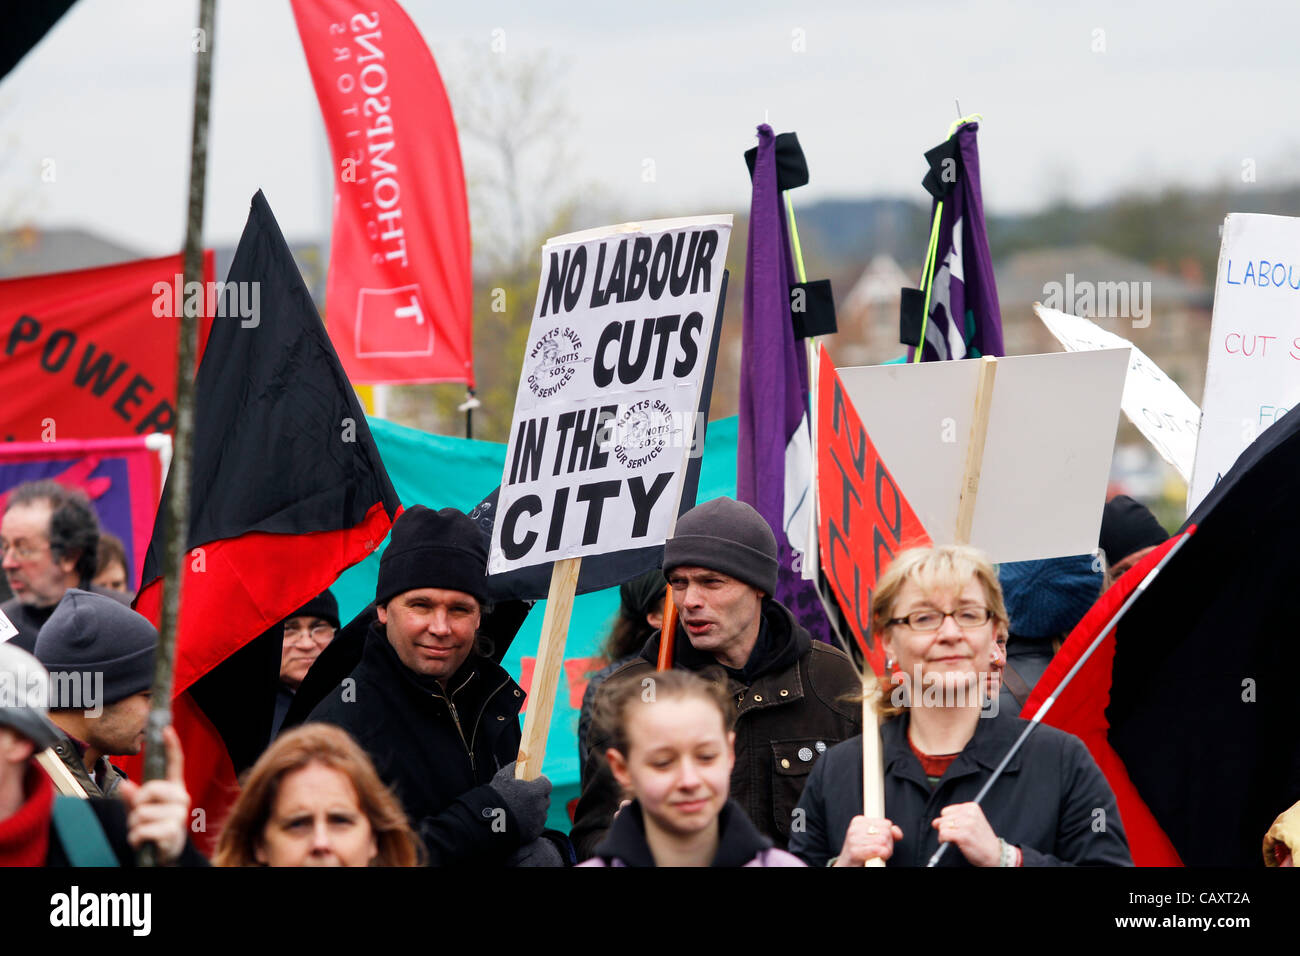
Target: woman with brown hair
314, 799
672, 751
939, 613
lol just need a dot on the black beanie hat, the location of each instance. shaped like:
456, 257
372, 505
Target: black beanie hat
1127, 526
91, 633
324, 606
643, 594
433, 549
728, 536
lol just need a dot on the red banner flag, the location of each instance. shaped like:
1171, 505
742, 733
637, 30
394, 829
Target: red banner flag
399, 306
92, 353
863, 519
1080, 709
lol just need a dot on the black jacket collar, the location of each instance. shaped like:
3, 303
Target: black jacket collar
984, 751
738, 839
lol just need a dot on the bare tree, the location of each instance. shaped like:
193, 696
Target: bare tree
515, 128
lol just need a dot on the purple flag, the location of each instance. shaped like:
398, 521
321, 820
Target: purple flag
773, 452
964, 319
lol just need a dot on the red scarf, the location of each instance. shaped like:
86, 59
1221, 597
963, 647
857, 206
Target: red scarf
25, 836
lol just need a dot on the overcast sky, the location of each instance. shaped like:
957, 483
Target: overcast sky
1080, 100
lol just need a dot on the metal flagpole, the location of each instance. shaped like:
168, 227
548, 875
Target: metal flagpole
155, 755
1065, 681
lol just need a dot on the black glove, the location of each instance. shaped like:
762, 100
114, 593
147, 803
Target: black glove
541, 852
527, 800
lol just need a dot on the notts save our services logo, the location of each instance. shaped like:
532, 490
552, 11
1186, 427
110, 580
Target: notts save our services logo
641, 432
554, 360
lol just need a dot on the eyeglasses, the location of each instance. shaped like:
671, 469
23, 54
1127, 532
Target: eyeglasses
320, 633
931, 619
24, 552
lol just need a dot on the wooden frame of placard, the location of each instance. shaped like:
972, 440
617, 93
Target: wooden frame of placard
60, 775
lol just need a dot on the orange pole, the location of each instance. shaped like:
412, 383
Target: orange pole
668, 635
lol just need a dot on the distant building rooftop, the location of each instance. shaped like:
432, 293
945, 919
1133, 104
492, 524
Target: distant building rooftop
1022, 277
31, 250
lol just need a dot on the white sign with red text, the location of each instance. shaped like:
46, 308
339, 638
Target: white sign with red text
1252, 376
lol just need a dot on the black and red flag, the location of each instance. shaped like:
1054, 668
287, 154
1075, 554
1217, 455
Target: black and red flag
288, 488
1189, 706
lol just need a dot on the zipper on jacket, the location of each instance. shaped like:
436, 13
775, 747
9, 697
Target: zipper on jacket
455, 719
487, 700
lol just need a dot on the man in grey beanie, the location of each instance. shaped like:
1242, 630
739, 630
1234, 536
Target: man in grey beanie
39, 827
795, 697
100, 657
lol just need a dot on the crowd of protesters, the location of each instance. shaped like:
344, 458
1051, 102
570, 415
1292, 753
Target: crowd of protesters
747, 751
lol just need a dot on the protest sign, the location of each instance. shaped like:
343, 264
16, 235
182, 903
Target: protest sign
863, 518
1251, 375
1152, 400
92, 353
606, 407
1042, 476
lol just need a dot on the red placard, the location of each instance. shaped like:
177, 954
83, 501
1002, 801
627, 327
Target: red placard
863, 519
399, 295
92, 353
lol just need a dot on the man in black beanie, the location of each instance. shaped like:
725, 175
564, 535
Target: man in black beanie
439, 720
304, 634
1129, 532
795, 697
100, 657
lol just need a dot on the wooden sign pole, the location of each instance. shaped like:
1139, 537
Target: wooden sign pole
979, 427
60, 775
873, 767
546, 674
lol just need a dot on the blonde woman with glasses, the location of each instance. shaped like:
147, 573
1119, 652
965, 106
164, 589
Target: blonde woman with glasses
940, 616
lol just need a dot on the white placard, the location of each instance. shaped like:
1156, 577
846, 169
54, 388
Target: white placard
1047, 451
1152, 400
7, 629
1252, 377
605, 410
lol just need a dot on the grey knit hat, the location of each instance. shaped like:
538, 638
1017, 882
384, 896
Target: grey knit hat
94, 634
728, 536
24, 690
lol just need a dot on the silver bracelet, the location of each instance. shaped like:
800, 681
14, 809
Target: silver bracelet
1007, 855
